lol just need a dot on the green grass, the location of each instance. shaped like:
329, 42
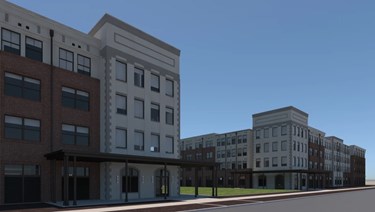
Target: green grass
221, 192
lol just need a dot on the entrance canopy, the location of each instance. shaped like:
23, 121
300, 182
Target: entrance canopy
110, 157
97, 157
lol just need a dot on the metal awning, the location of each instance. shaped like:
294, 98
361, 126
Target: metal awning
111, 157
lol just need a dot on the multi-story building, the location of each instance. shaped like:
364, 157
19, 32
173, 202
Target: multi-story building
283, 152
49, 100
280, 149
140, 97
86, 116
338, 162
357, 166
316, 159
230, 150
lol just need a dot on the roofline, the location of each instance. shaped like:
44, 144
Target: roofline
328, 137
51, 24
216, 134
119, 23
280, 110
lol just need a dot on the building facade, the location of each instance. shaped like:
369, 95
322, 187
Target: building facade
231, 151
283, 152
140, 96
93, 115
280, 149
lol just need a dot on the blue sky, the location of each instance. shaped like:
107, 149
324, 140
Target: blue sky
248, 56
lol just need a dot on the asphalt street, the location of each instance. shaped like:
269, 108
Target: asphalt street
355, 201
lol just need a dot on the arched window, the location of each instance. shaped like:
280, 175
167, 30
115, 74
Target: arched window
132, 183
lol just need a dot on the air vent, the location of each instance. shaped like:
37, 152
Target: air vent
27, 27
73, 44
79, 46
6, 17
19, 24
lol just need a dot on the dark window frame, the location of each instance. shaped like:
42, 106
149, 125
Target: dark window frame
155, 89
77, 98
167, 115
10, 42
166, 87
66, 60
126, 71
34, 49
74, 134
22, 128
121, 110
172, 138
132, 181
24, 87
143, 108
83, 66
139, 81
155, 113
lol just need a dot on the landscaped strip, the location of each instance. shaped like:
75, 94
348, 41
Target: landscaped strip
227, 192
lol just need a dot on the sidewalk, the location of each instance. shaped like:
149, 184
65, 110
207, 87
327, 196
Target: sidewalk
175, 204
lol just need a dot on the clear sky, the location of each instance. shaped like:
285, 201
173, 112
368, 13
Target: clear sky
240, 57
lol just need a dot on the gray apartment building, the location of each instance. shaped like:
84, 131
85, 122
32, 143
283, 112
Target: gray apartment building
284, 152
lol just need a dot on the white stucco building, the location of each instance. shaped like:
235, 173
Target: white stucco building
280, 148
140, 100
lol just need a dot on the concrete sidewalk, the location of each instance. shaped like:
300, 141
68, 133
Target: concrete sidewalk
212, 202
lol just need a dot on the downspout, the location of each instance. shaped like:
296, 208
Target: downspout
51, 34
53, 162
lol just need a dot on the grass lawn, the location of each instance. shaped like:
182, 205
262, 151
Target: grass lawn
207, 191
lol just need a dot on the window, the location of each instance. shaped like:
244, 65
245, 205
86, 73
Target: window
274, 131
139, 142
121, 71
283, 161
169, 143
274, 146
84, 65
262, 180
257, 148
283, 130
130, 183
121, 104
138, 108
155, 112
75, 98
169, 88
169, 116
139, 77
21, 128
266, 162
244, 153
19, 86
298, 146
77, 135
294, 161
257, 163
294, 130
266, 133
66, 59
266, 147
209, 155
239, 152
10, 41
233, 152
275, 162
155, 83
294, 145
257, 134
121, 138
155, 143
34, 49
22, 183
283, 145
